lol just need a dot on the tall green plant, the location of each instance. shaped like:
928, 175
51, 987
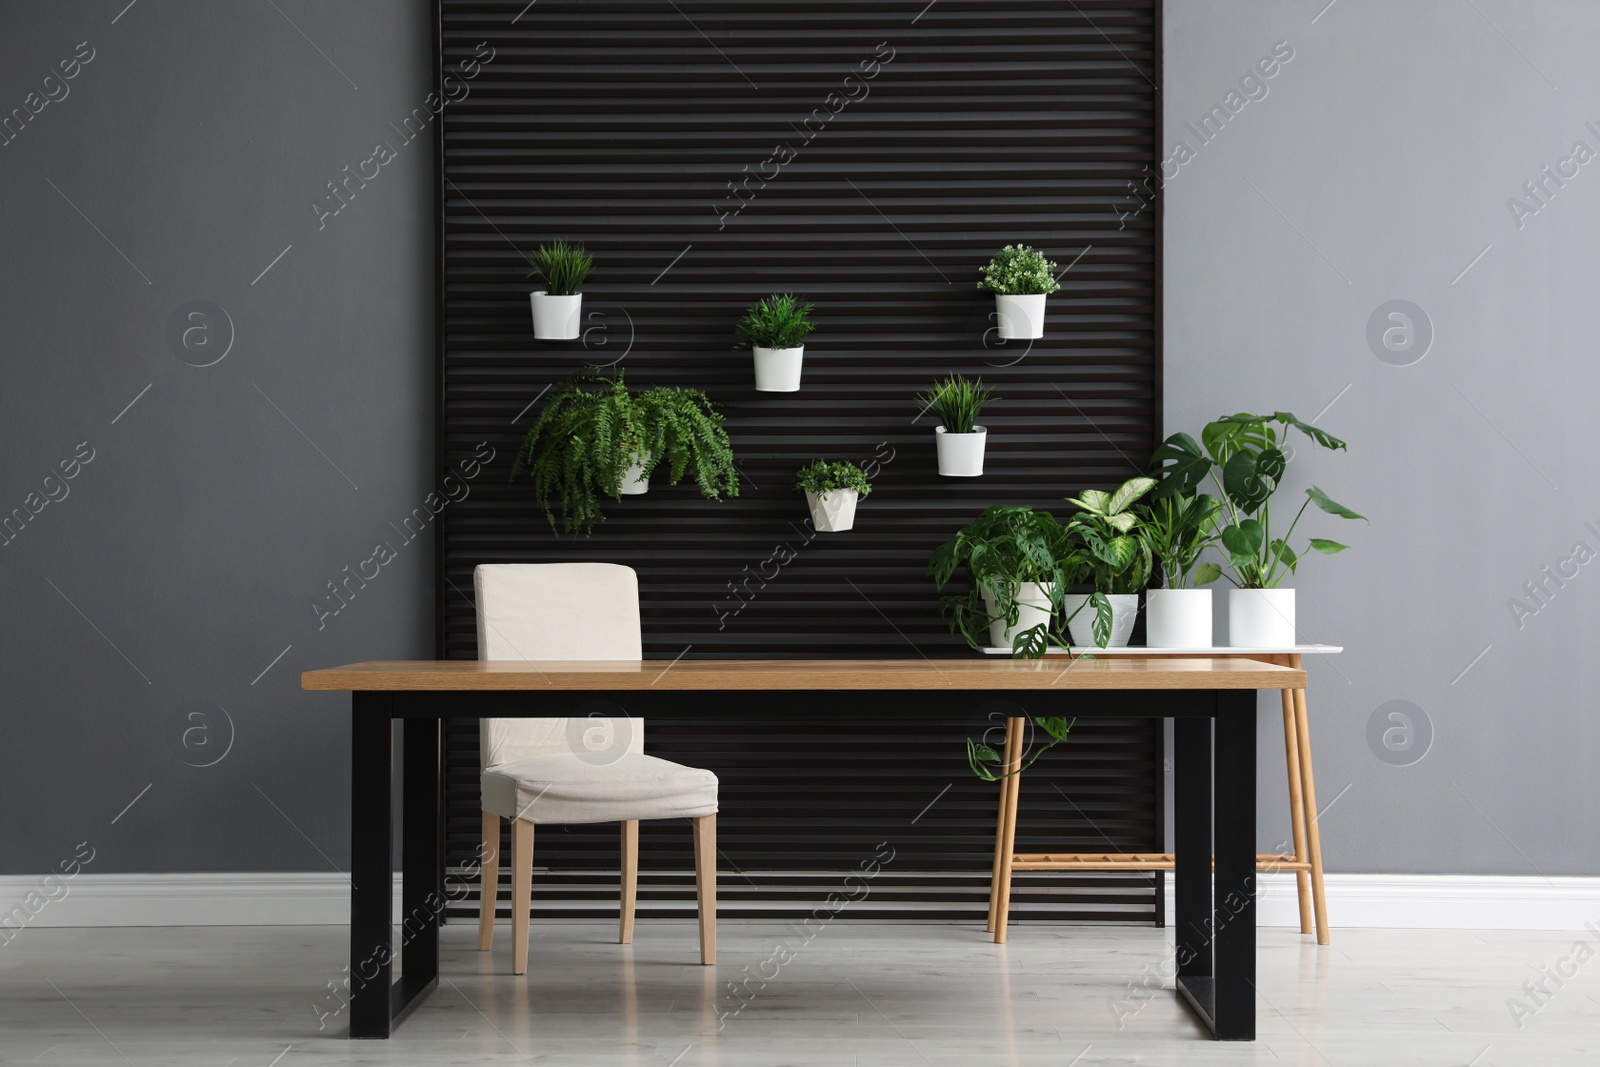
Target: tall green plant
563, 267
1175, 530
777, 321
957, 402
1241, 454
593, 430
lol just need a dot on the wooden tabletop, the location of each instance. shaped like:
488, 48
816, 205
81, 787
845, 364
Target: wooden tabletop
806, 675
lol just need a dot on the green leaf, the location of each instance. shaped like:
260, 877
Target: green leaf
1244, 539
1245, 483
1055, 726
1122, 521
1321, 437
1207, 573
1101, 627
1131, 490
1189, 465
1030, 643
1093, 500
1281, 549
1332, 507
1323, 545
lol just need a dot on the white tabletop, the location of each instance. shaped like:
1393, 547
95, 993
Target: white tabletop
1213, 650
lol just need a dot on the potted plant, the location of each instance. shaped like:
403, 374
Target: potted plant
557, 307
776, 329
1118, 561
594, 438
1019, 563
1020, 279
959, 439
1176, 529
832, 490
1241, 455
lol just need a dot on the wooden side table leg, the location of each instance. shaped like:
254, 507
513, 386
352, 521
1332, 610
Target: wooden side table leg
1313, 831
1297, 808
1000, 823
1008, 850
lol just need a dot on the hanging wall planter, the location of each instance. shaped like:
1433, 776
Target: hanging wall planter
775, 328
558, 308
958, 439
832, 491
636, 479
1020, 278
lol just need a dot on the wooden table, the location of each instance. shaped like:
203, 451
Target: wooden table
1215, 778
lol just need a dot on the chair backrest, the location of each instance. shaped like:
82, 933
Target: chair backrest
557, 611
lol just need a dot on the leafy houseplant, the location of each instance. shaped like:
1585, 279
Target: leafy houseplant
1241, 454
1176, 529
556, 307
776, 328
1020, 278
596, 438
959, 440
1117, 558
832, 490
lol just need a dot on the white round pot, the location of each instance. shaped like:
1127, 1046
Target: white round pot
556, 318
634, 481
960, 454
778, 369
1021, 317
1033, 608
834, 512
1124, 609
1261, 618
1177, 618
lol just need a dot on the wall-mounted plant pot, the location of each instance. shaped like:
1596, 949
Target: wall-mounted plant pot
833, 512
960, 454
1124, 609
778, 369
1021, 317
634, 480
1177, 618
556, 318
1261, 618
1033, 608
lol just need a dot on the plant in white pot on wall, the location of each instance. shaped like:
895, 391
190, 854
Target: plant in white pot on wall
1020, 278
1176, 529
1241, 454
832, 490
957, 402
776, 328
558, 306
1118, 560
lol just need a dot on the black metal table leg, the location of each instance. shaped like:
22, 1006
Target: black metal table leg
1192, 932
1235, 834
421, 859
371, 864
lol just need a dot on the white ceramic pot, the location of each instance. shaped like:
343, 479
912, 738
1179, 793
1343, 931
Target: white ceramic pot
960, 454
834, 512
634, 482
1124, 609
1033, 608
778, 369
1261, 618
1021, 317
556, 318
1177, 618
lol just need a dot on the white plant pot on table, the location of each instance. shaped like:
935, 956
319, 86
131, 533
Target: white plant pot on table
1261, 618
1124, 609
556, 318
960, 454
1021, 317
1178, 618
778, 369
833, 512
634, 480
1033, 608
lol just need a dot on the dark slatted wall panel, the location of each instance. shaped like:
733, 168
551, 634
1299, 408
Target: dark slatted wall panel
709, 152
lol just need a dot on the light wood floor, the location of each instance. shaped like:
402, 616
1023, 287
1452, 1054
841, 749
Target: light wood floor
877, 995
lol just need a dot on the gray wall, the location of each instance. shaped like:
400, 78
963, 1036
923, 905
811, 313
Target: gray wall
186, 555
1376, 168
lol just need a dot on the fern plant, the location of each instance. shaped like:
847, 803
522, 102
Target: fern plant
563, 267
777, 321
593, 430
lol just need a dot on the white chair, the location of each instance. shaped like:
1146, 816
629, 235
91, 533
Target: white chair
567, 771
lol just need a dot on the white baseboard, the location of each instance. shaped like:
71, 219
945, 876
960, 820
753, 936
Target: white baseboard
1381, 901
1435, 902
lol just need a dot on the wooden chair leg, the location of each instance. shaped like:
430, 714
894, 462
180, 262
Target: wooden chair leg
1308, 782
630, 879
1297, 809
705, 881
521, 892
1000, 824
1002, 910
489, 887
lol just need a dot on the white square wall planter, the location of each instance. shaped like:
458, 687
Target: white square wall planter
1021, 317
555, 318
960, 454
834, 512
634, 481
778, 369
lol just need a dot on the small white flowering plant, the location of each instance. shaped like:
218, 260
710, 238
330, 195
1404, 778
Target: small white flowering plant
1018, 270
